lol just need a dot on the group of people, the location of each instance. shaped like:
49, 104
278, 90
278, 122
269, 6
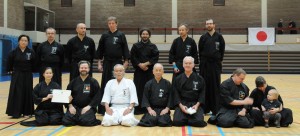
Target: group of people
191, 94
291, 25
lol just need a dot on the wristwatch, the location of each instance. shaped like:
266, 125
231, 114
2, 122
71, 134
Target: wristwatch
130, 108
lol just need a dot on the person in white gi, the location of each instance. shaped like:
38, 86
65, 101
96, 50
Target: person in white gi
120, 93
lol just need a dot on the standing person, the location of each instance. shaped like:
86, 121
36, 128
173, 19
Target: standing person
235, 102
112, 50
46, 112
280, 26
189, 94
144, 55
85, 97
292, 25
181, 47
119, 100
50, 54
157, 99
211, 52
269, 104
20, 64
259, 94
80, 47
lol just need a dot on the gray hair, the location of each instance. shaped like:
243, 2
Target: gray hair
50, 28
84, 62
185, 25
157, 65
112, 18
119, 65
209, 20
189, 57
239, 71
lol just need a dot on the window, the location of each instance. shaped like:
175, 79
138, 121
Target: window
219, 2
129, 3
66, 3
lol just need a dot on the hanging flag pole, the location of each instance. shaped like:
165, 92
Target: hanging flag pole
269, 58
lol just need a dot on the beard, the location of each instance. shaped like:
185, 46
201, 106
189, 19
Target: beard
209, 28
145, 39
83, 73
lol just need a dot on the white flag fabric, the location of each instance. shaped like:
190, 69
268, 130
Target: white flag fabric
261, 36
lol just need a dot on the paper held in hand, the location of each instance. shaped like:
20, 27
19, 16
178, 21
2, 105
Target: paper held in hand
60, 96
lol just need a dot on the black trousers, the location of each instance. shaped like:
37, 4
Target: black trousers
229, 118
183, 119
86, 119
286, 117
45, 117
158, 120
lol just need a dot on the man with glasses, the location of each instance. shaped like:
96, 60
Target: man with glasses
50, 54
235, 102
211, 52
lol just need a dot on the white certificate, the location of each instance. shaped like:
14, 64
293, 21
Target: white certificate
60, 96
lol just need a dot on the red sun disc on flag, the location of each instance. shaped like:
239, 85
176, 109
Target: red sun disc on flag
261, 36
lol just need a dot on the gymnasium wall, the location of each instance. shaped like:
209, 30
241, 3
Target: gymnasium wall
158, 13
1, 13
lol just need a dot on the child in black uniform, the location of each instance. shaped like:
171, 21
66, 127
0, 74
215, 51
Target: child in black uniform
271, 108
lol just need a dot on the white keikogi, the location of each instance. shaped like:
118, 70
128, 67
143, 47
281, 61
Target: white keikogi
120, 96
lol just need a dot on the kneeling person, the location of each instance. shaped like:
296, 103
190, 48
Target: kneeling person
189, 89
157, 100
86, 95
46, 113
235, 102
120, 93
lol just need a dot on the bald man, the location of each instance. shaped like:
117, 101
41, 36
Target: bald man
157, 99
80, 48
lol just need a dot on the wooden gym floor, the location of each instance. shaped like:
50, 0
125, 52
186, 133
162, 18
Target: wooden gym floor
287, 84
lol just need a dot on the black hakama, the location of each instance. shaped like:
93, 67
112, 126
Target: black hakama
228, 114
258, 97
188, 91
20, 101
158, 96
46, 113
211, 52
140, 53
84, 93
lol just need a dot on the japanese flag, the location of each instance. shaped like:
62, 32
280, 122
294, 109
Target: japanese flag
261, 36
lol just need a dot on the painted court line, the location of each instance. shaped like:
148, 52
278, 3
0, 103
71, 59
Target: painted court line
64, 131
7, 122
189, 130
15, 123
221, 131
56, 130
183, 131
24, 131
